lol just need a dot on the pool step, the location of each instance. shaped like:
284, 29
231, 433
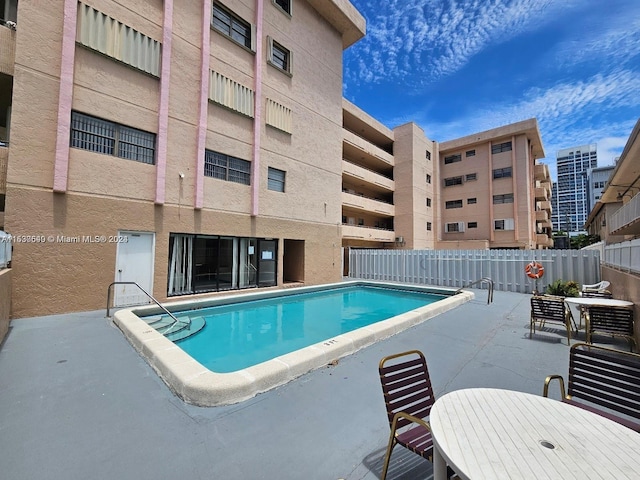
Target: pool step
186, 330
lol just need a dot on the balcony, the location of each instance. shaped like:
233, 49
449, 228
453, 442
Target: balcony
626, 221
360, 203
7, 49
542, 216
541, 172
4, 157
367, 178
544, 240
365, 152
355, 232
544, 205
542, 194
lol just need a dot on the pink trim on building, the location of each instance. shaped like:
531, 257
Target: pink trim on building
204, 104
257, 120
163, 109
514, 182
65, 100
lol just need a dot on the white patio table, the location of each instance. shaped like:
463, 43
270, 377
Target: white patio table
486, 434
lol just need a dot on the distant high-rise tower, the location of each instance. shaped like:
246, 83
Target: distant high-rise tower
572, 204
596, 181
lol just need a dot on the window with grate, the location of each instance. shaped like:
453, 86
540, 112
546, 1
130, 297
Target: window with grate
470, 153
506, 198
454, 227
428, 178
284, 5
506, 224
472, 201
453, 204
428, 155
452, 158
279, 56
428, 202
471, 176
449, 182
502, 173
428, 226
275, 180
472, 225
232, 26
224, 167
109, 138
501, 147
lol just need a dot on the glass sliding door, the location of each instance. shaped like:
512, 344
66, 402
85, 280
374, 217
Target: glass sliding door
205, 278
267, 262
248, 263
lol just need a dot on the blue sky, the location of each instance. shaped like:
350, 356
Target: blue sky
460, 67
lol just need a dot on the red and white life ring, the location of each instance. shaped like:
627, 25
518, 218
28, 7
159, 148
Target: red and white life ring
534, 270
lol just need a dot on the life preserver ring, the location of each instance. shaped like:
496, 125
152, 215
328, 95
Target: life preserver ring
534, 270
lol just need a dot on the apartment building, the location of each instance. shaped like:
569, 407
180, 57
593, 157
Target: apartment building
597, 179
190, 147
493, 192
573, 164
402, 190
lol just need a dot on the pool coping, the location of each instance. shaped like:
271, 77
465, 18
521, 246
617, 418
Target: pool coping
196, 384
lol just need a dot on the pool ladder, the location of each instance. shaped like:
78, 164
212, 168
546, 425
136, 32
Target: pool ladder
482, 280
169, 327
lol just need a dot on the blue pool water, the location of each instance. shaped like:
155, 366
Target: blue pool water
246, 333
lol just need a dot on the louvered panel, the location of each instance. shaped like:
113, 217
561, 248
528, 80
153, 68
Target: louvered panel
108, 36
231, 94
279, 116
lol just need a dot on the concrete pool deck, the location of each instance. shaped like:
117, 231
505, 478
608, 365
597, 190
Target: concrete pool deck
78, 402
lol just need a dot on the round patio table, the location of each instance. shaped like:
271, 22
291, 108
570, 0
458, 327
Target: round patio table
577, 304
485, 434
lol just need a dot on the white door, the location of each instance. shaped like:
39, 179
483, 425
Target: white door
134, 263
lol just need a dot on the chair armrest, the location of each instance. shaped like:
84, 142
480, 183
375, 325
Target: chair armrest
411, 418
547, 381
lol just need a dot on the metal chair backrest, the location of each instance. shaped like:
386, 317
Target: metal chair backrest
605, 377
613, 320
548, 308
406, 386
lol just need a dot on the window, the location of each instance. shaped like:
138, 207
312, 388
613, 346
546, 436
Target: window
471, 176
101, 136
472, 201
472, 225
502, 173
449, 182
506, 224
428, 178
501, 147
224, 167
470, 153
279, 56
361, 222
452, 158
275, 180
428, 226
428, 202
454, 227
232, 26
285, 5
453, 204
506, 198
428, 155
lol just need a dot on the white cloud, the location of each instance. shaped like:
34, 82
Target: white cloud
423, 40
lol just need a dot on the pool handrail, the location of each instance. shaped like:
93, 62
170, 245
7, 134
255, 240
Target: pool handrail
175, 320
482, 280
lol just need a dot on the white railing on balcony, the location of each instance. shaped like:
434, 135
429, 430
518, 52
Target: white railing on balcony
623, 256
627, 214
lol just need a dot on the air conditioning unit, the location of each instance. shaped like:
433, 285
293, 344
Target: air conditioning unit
399, 239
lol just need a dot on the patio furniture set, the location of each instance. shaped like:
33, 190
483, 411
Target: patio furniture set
484, 433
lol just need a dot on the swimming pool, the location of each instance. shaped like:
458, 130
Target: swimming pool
210, 379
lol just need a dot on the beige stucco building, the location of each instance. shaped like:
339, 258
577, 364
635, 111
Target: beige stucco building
190, 147
402, 190
205, 146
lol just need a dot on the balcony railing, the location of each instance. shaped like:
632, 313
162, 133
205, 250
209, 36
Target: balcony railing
359, 202
368, 234
626, 221
4, 157
376, 180
7, 49
367, 147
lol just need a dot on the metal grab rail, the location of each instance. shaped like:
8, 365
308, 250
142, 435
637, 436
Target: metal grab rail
175, 320
482, 280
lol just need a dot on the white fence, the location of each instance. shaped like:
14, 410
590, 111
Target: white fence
624, 256
459, 268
